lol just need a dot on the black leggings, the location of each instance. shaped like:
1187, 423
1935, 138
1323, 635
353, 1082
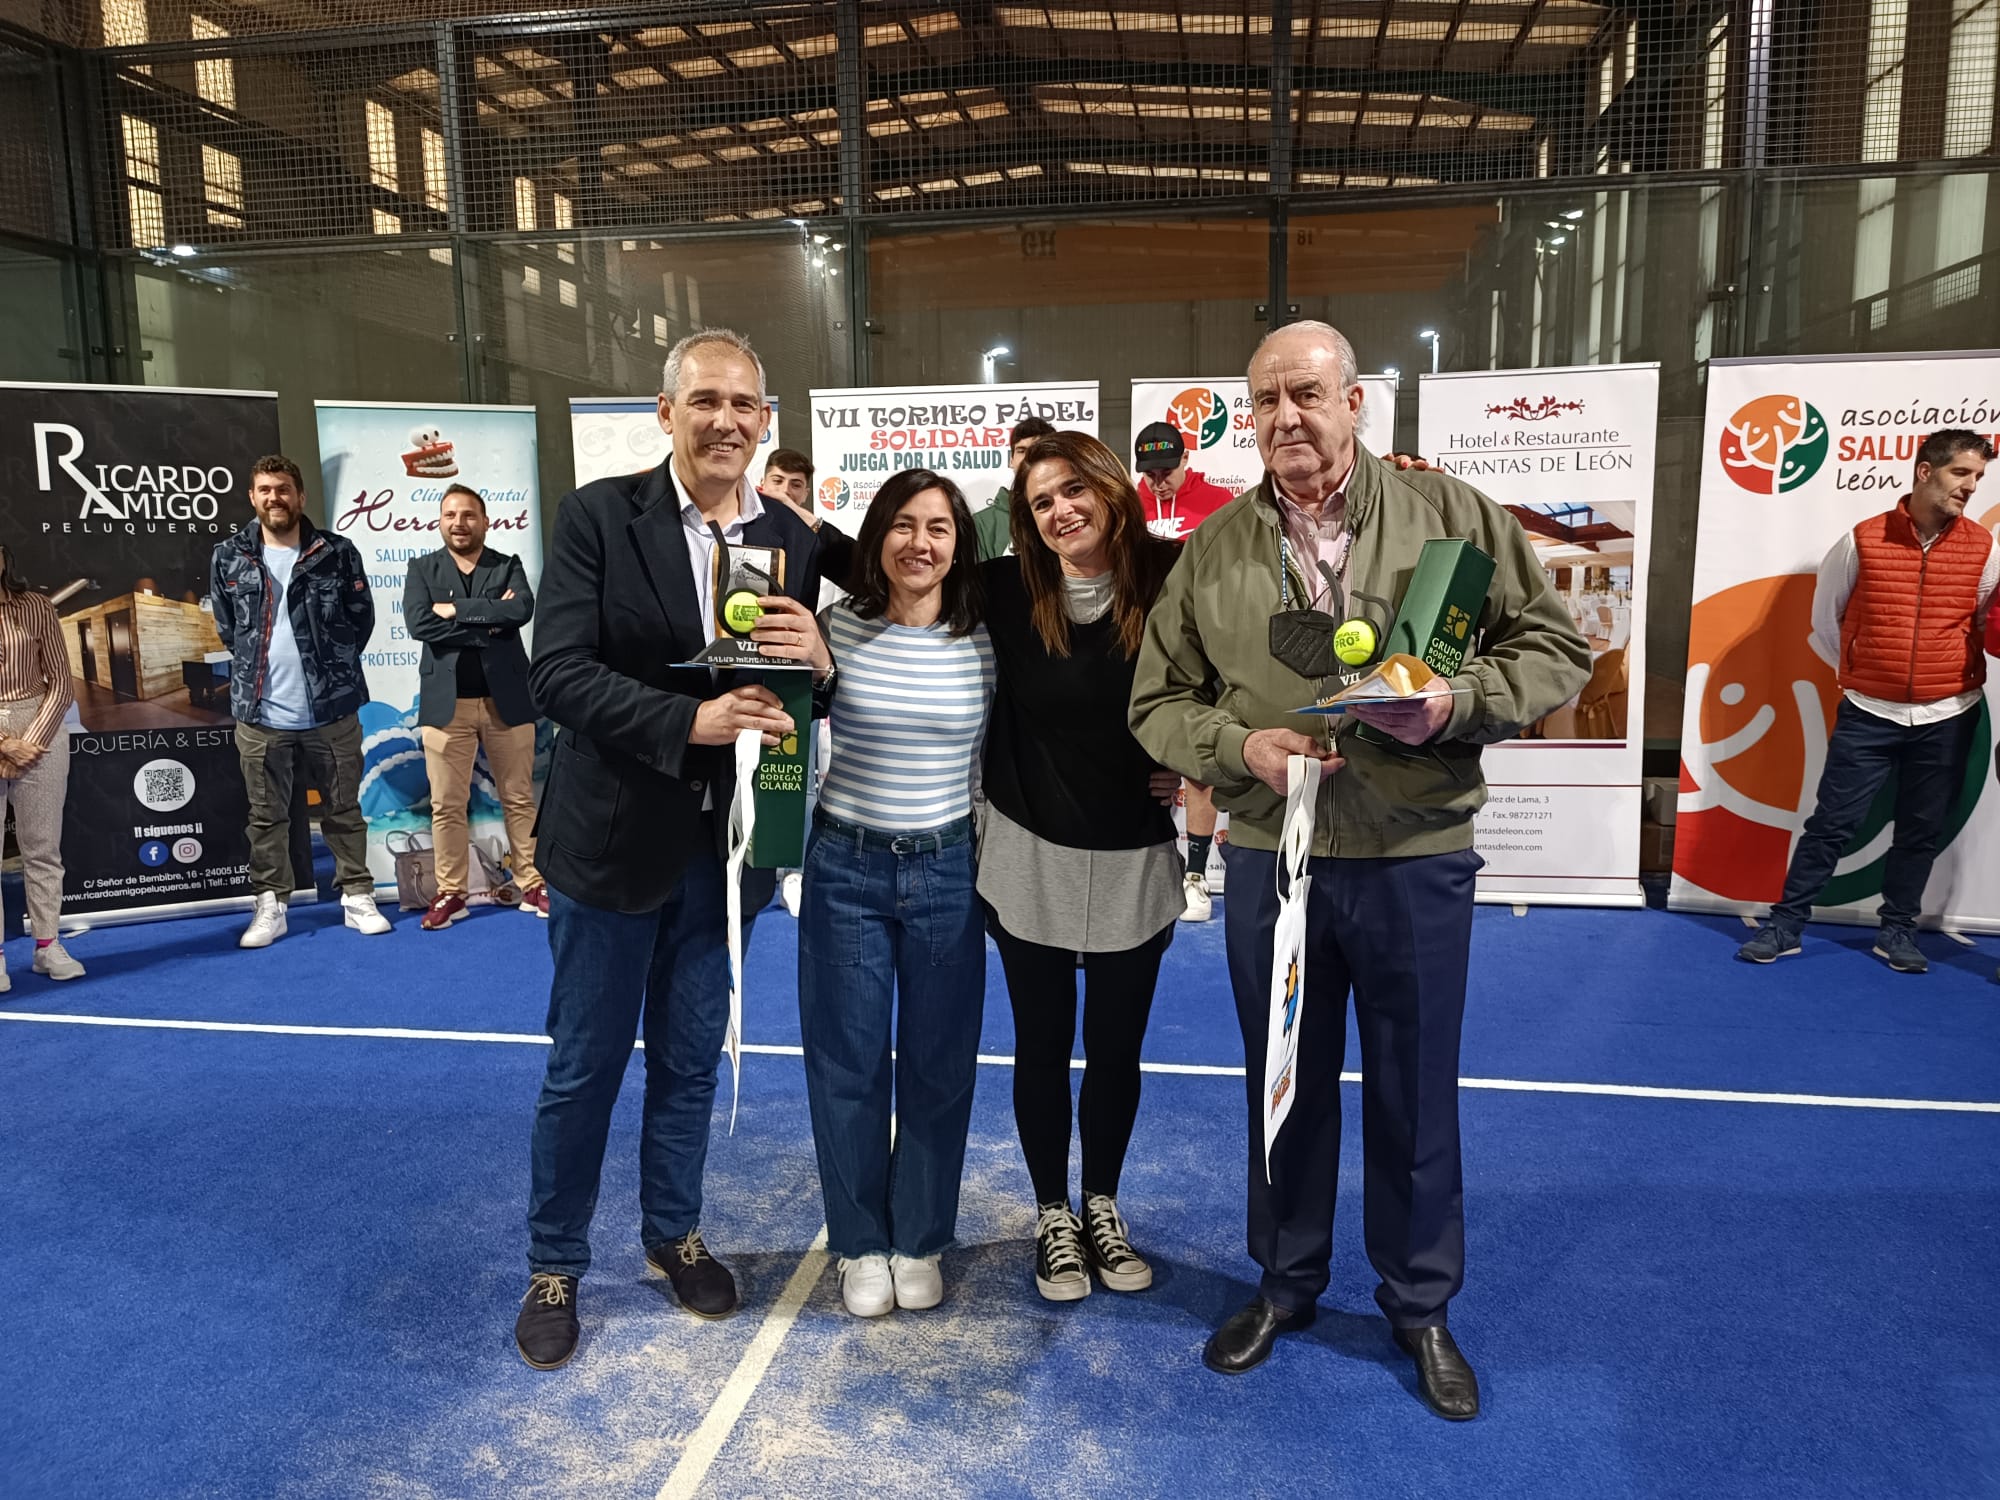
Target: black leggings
1118, 997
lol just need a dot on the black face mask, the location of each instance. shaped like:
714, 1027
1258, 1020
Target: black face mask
1302, 640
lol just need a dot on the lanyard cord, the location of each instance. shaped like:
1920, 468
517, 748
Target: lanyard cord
1335, 574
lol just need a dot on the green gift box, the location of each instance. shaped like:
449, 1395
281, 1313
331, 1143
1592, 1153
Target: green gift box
778, 838
1438, 619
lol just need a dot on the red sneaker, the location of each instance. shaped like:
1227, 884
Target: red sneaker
444, 911
536, 899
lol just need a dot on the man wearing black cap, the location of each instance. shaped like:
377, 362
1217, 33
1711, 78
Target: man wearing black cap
1181, 499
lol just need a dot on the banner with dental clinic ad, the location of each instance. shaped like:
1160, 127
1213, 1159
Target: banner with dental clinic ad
613, 435
116, 498
1797, 452
861, 437
384, 470
1215, 421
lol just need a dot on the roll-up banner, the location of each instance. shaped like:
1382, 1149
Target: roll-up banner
613, 435
1570, 452
861, 437
1216, 423
1797, 452
116, 498
385, 468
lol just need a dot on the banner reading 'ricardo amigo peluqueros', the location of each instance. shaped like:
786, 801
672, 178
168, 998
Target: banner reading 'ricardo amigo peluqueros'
1797, 452
116, 499
384, 469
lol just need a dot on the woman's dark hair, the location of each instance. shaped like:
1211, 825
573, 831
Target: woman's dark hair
964, 600
10, 581
1136, 571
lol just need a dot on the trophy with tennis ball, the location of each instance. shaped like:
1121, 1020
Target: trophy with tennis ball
741, 576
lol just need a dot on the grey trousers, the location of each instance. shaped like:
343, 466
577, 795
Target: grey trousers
37, 799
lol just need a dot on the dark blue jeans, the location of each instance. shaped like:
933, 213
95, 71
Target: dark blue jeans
1399, 933
1929, 764
670, 968
882, 931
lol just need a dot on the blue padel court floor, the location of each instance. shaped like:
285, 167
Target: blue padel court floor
1731, 1231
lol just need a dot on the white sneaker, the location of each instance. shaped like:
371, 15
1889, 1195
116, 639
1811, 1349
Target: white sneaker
919, 1284
268, 925
6, 984
363, 915
1199, 906
55, 962
789, 888
865, 1286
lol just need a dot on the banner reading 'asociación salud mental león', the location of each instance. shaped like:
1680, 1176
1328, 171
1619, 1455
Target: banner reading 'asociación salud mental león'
1797, 452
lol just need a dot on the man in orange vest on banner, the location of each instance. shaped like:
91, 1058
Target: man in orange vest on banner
1897, 614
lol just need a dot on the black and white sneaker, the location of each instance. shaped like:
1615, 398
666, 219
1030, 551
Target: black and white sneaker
1111, 1254
1061, 1274
545, 1332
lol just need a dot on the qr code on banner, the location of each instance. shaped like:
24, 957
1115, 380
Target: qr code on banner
164, 785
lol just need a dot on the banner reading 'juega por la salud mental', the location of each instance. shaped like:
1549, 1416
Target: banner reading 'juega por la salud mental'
861, 437
1797, 452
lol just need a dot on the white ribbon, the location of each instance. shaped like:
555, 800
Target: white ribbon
1288, 952
742, 823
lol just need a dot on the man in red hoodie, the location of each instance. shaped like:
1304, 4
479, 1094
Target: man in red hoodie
1897, 613
1176, 498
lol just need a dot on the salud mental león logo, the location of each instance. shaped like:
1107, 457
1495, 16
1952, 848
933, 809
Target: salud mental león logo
833, 493
1750, 770
1201, 415
1774, 444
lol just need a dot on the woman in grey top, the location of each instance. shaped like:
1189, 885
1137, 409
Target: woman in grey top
1077, 855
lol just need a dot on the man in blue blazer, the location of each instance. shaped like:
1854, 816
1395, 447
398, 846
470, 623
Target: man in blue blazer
467, 603
633, 823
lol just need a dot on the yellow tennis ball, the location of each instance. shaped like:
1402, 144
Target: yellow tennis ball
741, 611
1354, 642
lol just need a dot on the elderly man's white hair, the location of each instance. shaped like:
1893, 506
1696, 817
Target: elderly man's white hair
670, 375
1343, 352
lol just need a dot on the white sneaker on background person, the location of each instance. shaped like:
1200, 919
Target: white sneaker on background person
54, 961
6, 984
865, 1285
919, 1283
1199, 906
267, 925
790, 887
363, 915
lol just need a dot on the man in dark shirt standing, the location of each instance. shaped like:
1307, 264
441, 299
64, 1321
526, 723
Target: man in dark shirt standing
467, 603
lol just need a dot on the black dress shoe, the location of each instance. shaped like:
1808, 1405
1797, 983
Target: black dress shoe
545, 1332
1245, 1340
702, 1282
1449, 1387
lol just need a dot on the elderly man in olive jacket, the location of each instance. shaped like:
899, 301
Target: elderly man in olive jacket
1389, 911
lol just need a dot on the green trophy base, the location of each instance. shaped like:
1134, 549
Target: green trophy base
1439, 613
778, 838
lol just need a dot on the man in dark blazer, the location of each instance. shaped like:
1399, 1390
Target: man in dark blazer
633, 821
467, 603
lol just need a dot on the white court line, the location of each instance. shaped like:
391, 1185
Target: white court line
998, 1060
708, 1440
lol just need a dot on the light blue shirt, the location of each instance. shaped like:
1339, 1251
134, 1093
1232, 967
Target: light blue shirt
285, 704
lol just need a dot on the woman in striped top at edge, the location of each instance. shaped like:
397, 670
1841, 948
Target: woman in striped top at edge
887, 914
1077, 857
35, 694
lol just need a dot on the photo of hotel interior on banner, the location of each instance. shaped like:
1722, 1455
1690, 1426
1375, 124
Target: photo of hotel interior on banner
1570, 453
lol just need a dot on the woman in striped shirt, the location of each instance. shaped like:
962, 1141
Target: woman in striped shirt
35, 694
888, 919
